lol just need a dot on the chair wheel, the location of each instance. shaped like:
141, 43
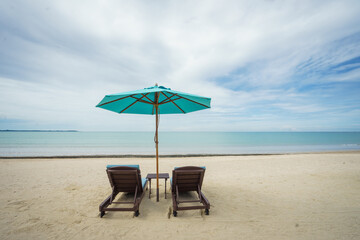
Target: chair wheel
102, 213
175, 213
207, 211
136, 213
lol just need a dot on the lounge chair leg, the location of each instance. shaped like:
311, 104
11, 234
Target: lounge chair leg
136, 213
102, 213
207, 211
175, 213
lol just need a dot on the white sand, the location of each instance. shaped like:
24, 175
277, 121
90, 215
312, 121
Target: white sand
303, 196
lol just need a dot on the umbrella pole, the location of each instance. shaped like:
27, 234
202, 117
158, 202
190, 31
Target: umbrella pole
157, 154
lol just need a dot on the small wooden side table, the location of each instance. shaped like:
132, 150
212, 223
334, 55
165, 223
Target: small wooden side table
153, 175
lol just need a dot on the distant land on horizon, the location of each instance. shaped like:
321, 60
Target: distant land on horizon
8, 130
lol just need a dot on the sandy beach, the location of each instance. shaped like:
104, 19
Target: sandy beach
297, 196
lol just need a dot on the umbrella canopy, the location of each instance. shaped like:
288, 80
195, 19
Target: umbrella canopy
154, 100
144, 101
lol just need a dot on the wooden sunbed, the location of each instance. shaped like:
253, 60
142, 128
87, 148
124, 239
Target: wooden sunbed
185, 179
124, 179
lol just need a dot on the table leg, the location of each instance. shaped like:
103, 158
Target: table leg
165, 187
149, 187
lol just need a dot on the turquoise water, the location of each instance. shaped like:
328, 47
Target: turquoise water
110, 143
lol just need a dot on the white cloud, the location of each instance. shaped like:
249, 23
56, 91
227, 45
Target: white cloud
59, 58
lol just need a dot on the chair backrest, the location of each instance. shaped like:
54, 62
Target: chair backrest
187, 178
131, 165
125, 179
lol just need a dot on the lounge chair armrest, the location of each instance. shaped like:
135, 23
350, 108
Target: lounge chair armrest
135, 195
177, 193
204, 199
105, 203
112, 196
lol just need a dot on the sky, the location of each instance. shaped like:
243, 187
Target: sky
267, 65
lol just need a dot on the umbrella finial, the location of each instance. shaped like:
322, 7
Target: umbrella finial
156, 84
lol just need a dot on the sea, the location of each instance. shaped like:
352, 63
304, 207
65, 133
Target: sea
33, 144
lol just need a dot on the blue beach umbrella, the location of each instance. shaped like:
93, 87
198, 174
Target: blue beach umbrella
154, 101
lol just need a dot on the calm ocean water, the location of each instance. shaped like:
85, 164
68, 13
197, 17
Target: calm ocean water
118, 143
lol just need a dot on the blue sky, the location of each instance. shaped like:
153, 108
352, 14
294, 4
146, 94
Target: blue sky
267, 65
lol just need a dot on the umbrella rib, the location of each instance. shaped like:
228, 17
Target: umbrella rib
178, 107
164, 102
194, 101
148, 98
170, 100
138, 99
115, 100
167, 98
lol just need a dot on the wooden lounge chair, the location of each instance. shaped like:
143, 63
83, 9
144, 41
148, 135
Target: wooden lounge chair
124, 179
185, 179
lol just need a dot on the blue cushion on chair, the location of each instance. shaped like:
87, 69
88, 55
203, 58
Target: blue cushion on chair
134, 166
143, 181
201, 167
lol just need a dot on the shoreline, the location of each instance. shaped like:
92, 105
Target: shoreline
174, 155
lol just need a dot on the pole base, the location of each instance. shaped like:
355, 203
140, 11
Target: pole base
157, 194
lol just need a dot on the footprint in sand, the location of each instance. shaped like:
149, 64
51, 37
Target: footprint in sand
21, 205
34, 220
72, 187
